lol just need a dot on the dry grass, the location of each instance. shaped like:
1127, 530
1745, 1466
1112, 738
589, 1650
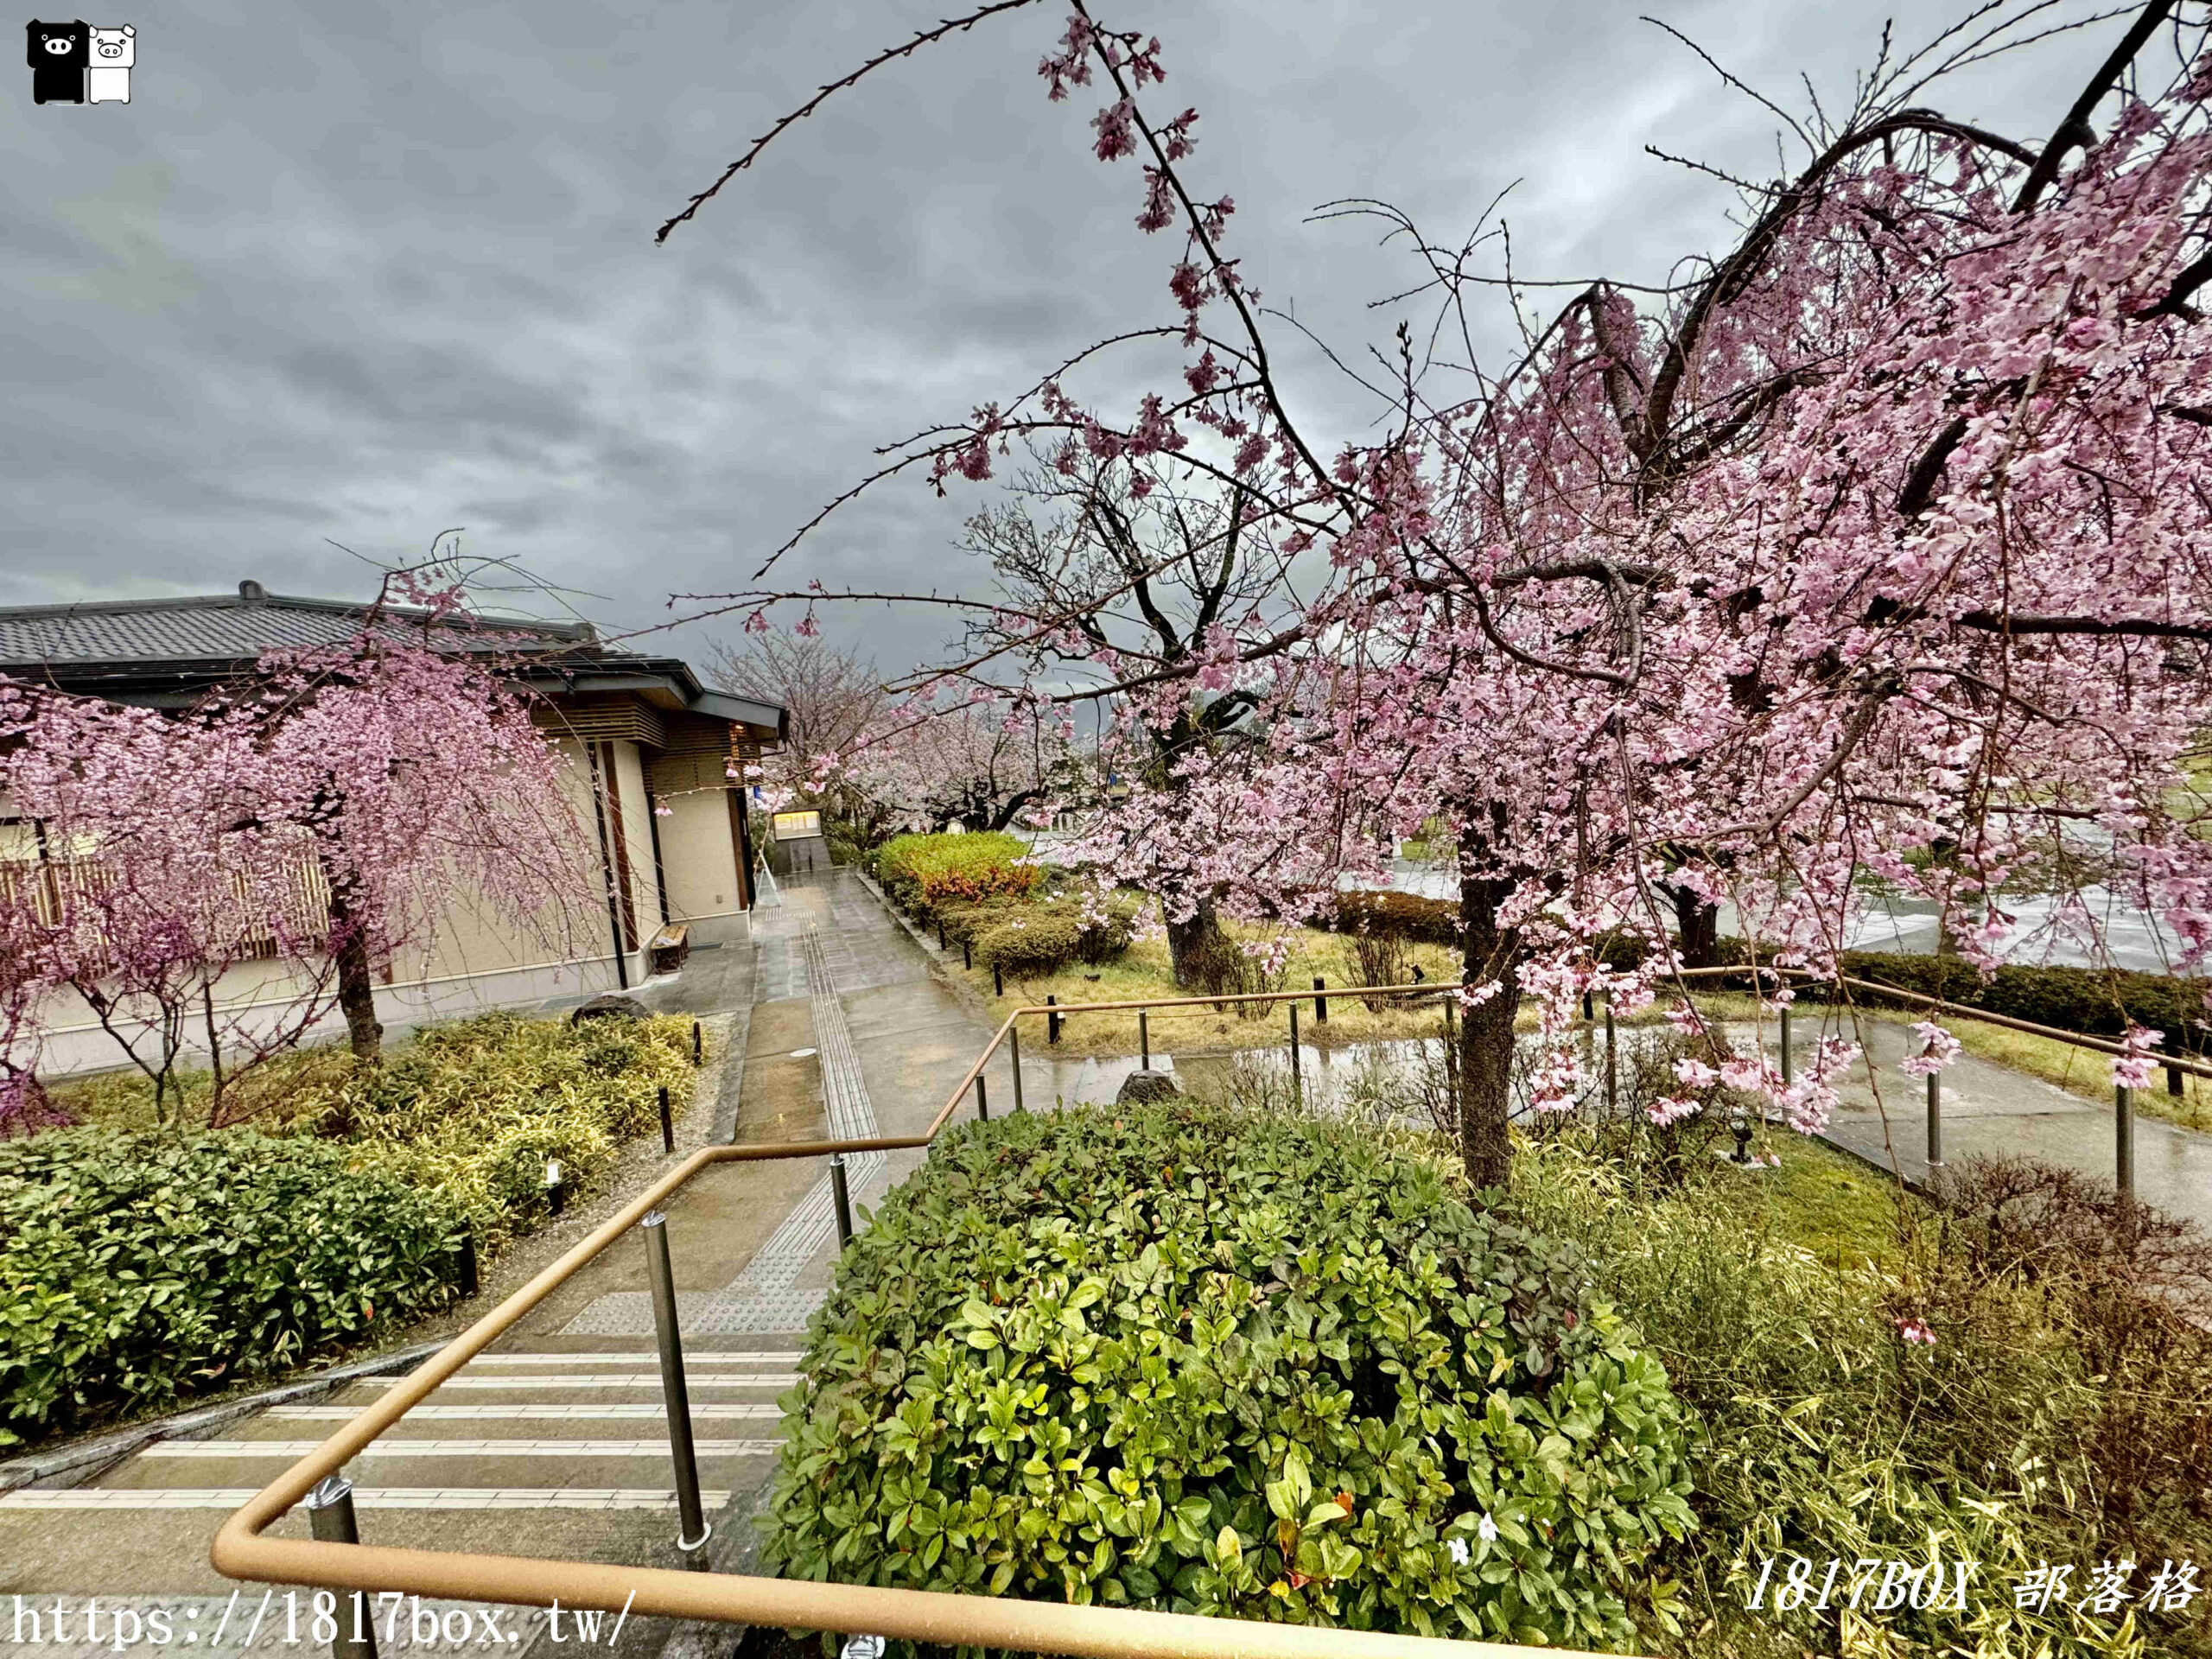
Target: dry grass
1142, 972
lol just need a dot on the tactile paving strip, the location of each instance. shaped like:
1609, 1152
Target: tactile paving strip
764, 1298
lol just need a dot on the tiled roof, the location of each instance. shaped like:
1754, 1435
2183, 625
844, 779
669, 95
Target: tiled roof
223, 627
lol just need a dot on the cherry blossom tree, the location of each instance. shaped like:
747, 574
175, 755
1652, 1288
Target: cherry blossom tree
834, 698
978, 763
147, 882
327, 810
1873, 547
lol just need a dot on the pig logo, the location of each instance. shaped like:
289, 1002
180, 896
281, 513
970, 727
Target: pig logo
107, 78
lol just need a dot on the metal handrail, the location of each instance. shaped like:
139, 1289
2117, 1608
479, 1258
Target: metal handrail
243, 1549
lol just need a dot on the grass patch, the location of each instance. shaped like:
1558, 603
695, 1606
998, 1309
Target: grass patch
1143, 972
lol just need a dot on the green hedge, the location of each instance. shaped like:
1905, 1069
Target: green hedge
1195, 1360
1033, 943
134, 1269
1041, 939
2093, 1001
922, 872
1407, 915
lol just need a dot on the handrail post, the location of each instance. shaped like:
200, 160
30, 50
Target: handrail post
330, 1519
1786, 1074
1934, 1120
1014, 1036
1052, 1020
840, 1197
1297, 1081
2124, 1143
1612, 1062
1144, 1039
667, 1123
695, 1530
983, 1101
1320, 1003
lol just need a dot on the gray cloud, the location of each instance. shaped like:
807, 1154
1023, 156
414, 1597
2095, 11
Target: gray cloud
355, 273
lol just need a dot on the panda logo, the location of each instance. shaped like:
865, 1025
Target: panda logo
59, 54
108, 78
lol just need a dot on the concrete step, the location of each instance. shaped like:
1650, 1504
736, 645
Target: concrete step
538, 1412
572, 1381
513, 1444
364, 1498
733, 1363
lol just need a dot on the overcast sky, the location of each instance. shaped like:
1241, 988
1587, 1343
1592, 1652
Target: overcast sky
358, 273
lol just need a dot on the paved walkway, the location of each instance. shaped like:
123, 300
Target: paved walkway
1990, 1110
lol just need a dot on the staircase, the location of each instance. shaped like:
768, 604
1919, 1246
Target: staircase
556, 1447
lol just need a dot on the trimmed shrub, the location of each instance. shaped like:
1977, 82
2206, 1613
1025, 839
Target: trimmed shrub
922, 872
1189, 1359
134, 1269
1035, 939
1035, 942
1102, 941
965, 923
1407, 916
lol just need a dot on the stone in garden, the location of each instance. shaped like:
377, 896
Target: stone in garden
609, 1007
1147, 1086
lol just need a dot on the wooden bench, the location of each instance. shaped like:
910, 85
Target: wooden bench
668, 948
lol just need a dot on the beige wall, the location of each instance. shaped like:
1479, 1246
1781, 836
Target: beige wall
702, 863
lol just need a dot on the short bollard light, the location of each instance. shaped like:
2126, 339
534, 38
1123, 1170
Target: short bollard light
667, 1123
556, 1189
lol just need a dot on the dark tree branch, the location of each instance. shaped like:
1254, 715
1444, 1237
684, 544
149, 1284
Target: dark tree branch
2176, 304
2075, 131
949, 26
1730, 275
1928, 472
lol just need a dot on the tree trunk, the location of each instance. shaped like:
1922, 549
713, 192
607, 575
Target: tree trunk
1698, 922
1486, 1029
357, 986
1190, 944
